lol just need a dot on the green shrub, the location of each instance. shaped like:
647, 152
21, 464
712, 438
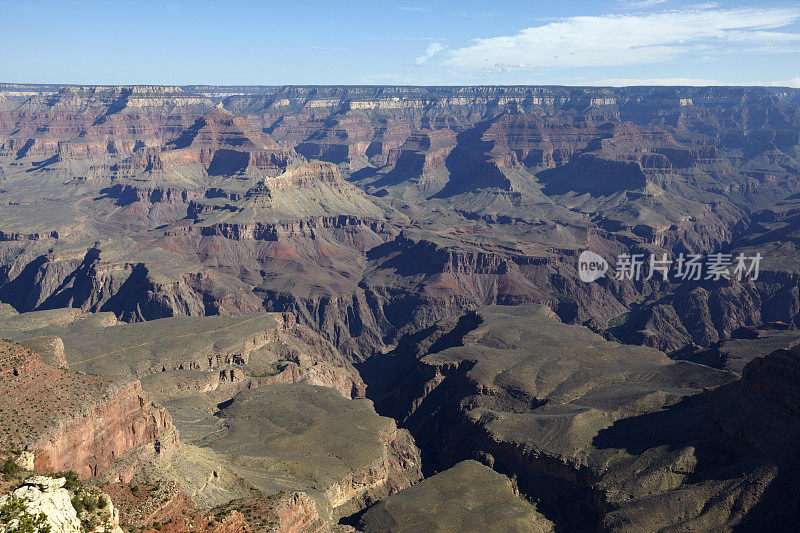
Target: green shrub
619, 320
14, 510
9, 469
72, 480
77, 503
90, 503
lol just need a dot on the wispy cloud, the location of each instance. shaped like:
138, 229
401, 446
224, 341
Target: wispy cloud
630, 39
474, 14
641, 4
414, 9
432, 50
394, 38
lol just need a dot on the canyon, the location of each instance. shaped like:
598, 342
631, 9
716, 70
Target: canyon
318, 308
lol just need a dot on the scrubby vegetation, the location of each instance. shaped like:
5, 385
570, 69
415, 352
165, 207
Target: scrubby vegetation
15, 518
619, 320
9, 469
274, 369
89, 501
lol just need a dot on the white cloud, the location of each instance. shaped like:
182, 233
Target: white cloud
432, 50
415, 9
615, 40
795, 82
641, 4
475, 14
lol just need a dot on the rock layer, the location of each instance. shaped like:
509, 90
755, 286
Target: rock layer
73, 422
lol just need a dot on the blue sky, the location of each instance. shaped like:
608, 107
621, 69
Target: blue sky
584, 42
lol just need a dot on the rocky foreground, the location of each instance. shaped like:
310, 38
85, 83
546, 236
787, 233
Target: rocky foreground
357, 308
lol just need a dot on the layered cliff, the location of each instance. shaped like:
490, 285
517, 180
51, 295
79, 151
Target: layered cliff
163, 201
74, 422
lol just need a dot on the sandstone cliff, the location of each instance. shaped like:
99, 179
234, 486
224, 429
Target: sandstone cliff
74, 422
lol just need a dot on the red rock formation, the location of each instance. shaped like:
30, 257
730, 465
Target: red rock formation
71, 421
297, 513
112, 426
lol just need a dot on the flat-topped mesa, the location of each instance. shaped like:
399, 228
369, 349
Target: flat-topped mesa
527, 393
224, 145
466, 497
298, 176
307, 175
302, 176
306, 191
220, 353
633, 434
340, 447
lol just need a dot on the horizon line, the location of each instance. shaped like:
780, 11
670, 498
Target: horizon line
385, 85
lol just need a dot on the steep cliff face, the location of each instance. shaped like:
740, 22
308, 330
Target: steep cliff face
704, 313
93, 121
122, 422
74, 422
377, 220
298, 514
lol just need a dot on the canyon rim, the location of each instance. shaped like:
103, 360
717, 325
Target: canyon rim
523, 283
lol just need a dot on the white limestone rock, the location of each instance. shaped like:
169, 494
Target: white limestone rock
25, 460
48, 496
